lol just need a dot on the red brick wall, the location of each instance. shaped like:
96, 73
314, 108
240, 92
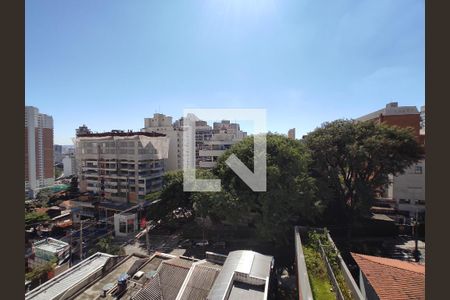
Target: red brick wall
404, 121
38, 152
133, 197
47, 144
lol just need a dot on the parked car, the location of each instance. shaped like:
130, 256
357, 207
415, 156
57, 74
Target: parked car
185, 243
202, 243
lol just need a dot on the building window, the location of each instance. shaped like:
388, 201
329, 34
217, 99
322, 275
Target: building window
404, 201
420, 202
130, 225
418, 170
123, 227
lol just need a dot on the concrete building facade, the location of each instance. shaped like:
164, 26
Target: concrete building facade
210, 142
407, 190
224, 135
50, 250
291, 133
121, 166
58, 153
69, 165
161, 123
125, 224
39, 157
422, 118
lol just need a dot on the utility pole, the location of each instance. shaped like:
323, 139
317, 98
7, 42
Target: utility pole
416, 238
147, 240
70, 249
81, 240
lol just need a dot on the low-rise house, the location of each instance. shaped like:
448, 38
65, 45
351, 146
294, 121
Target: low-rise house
50, 250
385, 278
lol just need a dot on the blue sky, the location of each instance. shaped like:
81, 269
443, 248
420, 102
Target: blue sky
111, 63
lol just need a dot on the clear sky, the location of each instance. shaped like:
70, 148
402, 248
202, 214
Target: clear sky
111, 63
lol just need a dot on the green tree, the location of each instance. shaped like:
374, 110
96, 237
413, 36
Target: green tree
40, 272
217, 206
35, 217
106, 245
58, 171
172, 196
43, 197
352, 162
290, 196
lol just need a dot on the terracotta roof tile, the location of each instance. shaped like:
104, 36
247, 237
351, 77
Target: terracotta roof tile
393, 279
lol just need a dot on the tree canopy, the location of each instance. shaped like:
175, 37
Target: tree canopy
290, 196
352, 162
338, 169
36, 217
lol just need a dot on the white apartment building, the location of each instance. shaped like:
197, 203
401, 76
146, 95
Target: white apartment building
39, 158
224, 135
210, 142
121, 166
161, 123
69, 165
422, 118
409, 192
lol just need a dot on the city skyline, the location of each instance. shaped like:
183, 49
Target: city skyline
111, 66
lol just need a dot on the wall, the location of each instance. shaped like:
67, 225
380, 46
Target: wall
118, 218
410, 186
404, 121
366, 289
69, 165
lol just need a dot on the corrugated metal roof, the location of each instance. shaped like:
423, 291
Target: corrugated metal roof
171, 279
200, 282
51, 245
151, 291
261, 266
246, 262
246, 291
58, 285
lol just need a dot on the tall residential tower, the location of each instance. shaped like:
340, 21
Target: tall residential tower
38, 150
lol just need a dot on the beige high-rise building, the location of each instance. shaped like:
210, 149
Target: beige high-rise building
291, 133
120, 166
39, 170
224, 135
161, 123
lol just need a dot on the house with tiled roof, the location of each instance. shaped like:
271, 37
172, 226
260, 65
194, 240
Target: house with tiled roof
390, 279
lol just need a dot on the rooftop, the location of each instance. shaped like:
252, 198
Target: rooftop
120, 133
57, 286
96, 289
51, 245
250, 265
161, 276
167, 281
391, 109
199, 282
245, 291
392, 278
